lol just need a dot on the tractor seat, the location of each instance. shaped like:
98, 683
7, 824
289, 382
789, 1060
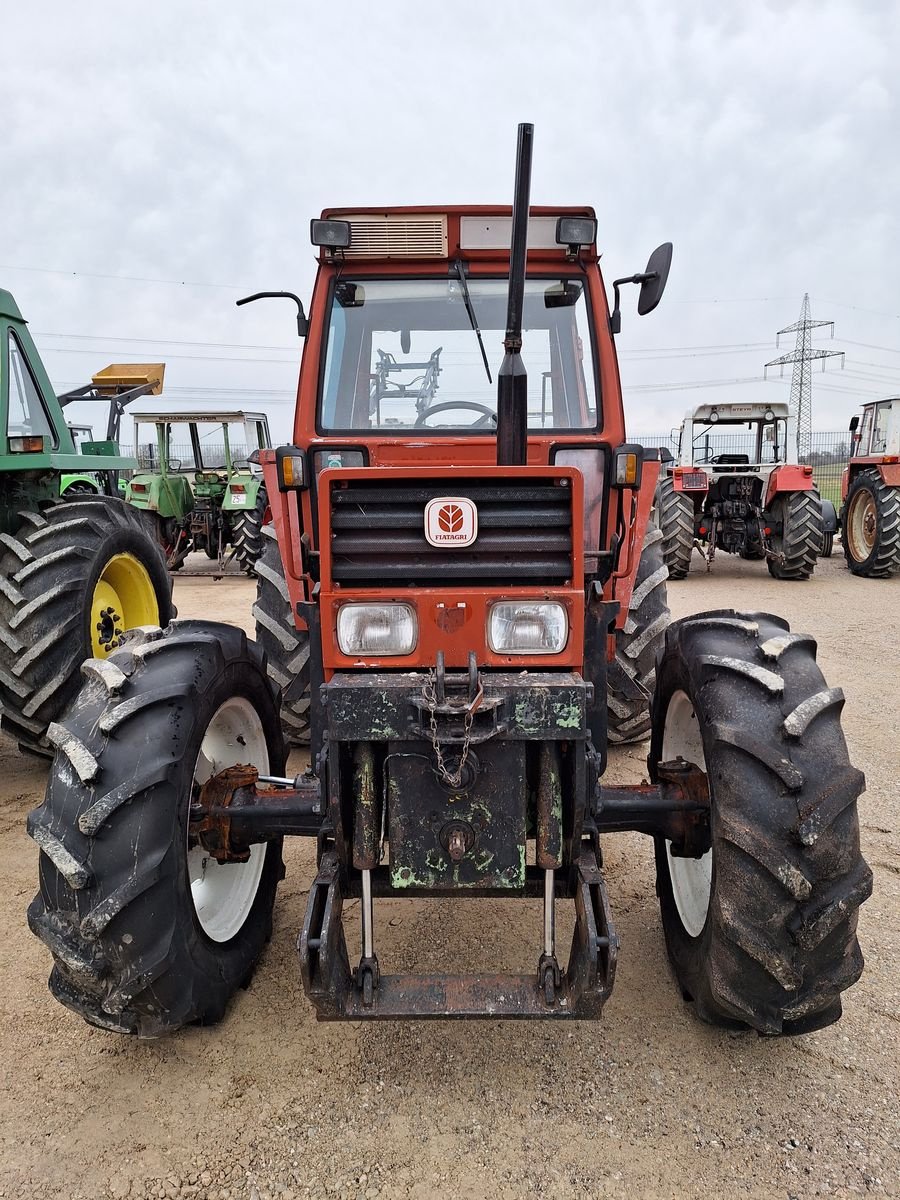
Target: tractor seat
731, 460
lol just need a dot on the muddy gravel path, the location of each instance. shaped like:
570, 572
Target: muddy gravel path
648, 1102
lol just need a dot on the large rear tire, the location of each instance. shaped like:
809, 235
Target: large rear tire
286, 646
632, 675
676, 520
803, 530
870, 526
246, 533
147, 932
761, 931
72, 579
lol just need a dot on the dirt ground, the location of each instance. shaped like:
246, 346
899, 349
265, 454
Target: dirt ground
648, 1102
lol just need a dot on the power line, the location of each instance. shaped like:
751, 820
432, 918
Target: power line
229, 287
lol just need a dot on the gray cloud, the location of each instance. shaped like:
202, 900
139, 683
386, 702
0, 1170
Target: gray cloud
193, 142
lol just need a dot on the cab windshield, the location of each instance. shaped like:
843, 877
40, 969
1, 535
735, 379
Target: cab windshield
402, 354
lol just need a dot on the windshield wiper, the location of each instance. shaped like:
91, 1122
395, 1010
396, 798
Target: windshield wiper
467, 300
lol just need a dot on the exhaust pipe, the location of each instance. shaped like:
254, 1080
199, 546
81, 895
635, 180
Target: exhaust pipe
512, 382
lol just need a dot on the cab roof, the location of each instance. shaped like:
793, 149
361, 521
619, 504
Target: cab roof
431, 232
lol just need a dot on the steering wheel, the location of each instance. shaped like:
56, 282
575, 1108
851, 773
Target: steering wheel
469, 404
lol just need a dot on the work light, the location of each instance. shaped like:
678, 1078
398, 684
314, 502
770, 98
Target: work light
373, 630
576, 231
335, 234
527, 627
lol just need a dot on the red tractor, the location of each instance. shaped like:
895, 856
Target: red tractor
737, 486
870, 491
449, 569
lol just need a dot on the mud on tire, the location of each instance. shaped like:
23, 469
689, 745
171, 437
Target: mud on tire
116, 903
771, 944
632, 675
286, 646
676, 520
49, 571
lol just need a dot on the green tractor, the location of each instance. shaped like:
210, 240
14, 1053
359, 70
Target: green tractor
76, 570
206, 493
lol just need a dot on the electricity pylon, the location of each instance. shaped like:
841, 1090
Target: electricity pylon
801, 381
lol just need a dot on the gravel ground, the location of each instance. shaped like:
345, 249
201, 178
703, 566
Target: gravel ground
648, 1102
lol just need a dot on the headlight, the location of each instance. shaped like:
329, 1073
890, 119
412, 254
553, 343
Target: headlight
527, 627
376, 629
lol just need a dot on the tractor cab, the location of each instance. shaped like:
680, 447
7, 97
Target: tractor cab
877, 437
198, 475
39, 456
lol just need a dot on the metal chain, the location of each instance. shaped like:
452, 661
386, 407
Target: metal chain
452, 778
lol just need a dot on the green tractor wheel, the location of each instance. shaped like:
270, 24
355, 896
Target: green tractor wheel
74, 579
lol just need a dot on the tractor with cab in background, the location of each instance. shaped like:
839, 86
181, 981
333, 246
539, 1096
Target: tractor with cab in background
870, 492
208, 496
754, 499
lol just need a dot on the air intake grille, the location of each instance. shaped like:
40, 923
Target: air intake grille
378, 535
397, 237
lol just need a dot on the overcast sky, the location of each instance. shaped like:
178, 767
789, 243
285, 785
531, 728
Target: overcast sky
162, 159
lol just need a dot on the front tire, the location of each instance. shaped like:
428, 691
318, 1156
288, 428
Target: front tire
62, 573
147, 932
870, 526
286, 646
799, 544
761, 931
631, 676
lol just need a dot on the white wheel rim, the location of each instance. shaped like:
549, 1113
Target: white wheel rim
691, 878
223, 893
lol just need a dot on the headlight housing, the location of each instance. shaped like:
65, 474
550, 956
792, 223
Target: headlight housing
528, 627
372, 630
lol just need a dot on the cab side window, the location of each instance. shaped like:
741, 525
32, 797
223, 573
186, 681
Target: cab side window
26, 414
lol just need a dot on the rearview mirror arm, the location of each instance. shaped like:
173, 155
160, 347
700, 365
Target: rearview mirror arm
302, 322
615, 320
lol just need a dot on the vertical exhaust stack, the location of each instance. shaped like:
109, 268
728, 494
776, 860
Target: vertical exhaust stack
512, 382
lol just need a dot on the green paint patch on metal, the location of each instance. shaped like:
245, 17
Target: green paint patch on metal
403, 877
527, 718
568, 716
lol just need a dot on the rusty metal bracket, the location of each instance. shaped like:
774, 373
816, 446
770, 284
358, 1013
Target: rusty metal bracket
229, 813
676, 807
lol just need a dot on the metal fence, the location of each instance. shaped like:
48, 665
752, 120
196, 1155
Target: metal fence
827, 455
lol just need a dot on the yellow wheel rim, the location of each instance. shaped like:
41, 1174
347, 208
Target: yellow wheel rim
123, 598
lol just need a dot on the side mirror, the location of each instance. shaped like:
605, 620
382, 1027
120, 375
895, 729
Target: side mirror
653, 284
854, 424
655, 278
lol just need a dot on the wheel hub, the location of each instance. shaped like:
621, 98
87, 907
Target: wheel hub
123, 598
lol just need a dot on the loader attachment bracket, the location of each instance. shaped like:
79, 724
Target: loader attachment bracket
340, 993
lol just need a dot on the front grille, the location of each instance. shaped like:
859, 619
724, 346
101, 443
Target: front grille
378, 534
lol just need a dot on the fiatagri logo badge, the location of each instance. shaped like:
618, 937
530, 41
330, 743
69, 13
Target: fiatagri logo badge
451, 521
